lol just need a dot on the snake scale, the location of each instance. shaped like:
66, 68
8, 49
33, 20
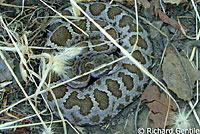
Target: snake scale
95, 98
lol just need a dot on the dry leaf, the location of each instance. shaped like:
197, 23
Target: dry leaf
159, 106
179, 74
168, 20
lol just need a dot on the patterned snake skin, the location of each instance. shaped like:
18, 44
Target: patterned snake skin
95, 98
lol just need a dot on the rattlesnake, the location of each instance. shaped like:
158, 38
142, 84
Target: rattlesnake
100, 96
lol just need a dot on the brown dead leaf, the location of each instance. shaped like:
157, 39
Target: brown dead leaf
179, 74
159, 105
168, 20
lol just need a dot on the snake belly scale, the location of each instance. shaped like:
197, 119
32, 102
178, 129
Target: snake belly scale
95, 98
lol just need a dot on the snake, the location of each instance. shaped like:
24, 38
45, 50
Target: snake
98, 97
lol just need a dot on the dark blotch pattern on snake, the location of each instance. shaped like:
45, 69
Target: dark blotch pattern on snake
95, 98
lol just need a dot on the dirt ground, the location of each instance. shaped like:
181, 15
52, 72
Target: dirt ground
167, 25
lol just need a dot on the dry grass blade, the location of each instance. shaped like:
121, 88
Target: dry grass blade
194, 112
69, 17
195, 9
5, 125
4, 84
10, 5
197, 82
45, 73
195, 50
79, 76
60, 113
183, 30
34, 124
34, 108
15, 77
57, 85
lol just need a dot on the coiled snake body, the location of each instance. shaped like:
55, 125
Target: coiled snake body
97, 97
